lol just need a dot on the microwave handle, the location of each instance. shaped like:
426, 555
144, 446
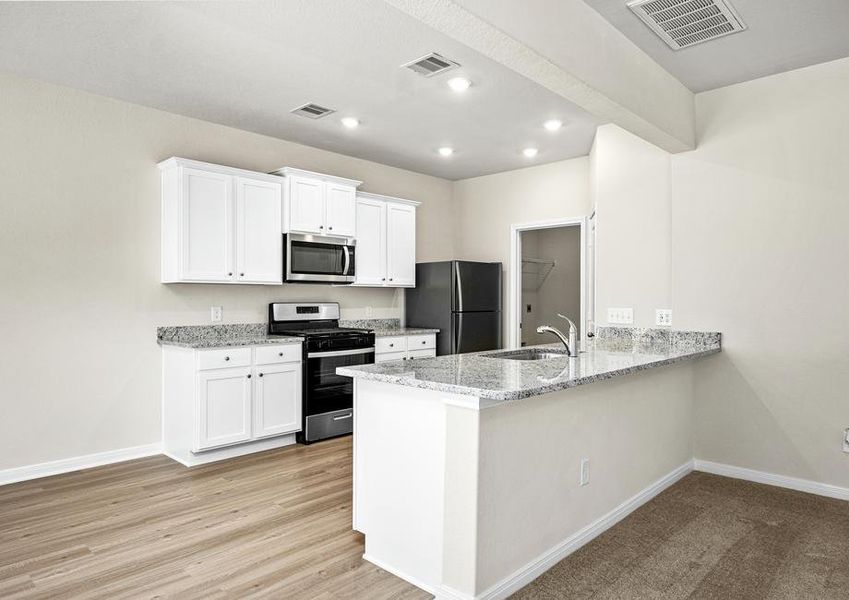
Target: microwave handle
347, 259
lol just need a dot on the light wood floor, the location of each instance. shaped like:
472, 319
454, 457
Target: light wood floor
269, 525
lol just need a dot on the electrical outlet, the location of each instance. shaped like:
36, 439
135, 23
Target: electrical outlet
585, 471
846, 441
663, 317
620, 316
215, 314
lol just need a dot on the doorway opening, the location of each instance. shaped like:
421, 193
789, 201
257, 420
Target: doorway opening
550, 273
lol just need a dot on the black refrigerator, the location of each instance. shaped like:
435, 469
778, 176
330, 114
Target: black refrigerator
462, 299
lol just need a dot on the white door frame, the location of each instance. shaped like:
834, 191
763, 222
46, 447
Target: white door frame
514, 335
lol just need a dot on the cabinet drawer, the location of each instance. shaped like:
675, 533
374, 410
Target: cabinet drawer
387, 356
390, 344
224, 357
419, 342
422, 353
269, 355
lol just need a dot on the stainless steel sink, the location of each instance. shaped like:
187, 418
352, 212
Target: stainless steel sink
529, 354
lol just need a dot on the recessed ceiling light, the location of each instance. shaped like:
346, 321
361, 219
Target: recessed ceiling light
530, 152
446, 151
553, 124
459, 84
350, 122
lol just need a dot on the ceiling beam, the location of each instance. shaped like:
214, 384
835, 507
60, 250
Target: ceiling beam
568, 48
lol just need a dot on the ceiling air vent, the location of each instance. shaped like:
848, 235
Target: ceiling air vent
683, 23
312, 111
430, 65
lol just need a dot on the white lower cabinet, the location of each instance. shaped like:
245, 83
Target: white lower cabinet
224, 402
224, 407
404, 347
271, 416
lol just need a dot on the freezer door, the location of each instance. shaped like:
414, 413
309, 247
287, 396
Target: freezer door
475, 332
477, 286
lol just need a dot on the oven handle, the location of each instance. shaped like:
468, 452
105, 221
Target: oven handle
340, 352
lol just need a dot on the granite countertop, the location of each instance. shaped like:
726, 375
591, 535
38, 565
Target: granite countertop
386, 327
615, 351
220, 336
402, 331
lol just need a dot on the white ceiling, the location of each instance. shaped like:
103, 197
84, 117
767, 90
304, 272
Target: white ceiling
782, 35
247, 65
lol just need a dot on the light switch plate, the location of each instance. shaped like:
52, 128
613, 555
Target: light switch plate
663, 317
620, 316
215, 314
846, 441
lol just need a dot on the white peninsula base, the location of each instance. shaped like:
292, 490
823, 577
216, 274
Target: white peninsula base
469, 500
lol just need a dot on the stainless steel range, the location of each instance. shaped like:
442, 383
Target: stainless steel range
328, 399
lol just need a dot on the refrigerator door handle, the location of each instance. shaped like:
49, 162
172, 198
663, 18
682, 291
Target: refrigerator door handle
459, 334
459, 283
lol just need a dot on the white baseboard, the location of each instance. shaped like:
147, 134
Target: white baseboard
523, 576
792, 483
66, 465
398, 573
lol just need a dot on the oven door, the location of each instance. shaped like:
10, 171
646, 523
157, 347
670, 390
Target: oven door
315, 258
329, 398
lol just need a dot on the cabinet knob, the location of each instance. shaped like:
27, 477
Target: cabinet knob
330, 228
383, 278
391, 345
424, 341
260, 374
241, 274
229, 274
390, 279
249, 375
279, 354
321, 226
226, 358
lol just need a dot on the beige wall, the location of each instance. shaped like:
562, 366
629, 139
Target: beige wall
79, 256
631, 197
745, 235
489, 205
760, 223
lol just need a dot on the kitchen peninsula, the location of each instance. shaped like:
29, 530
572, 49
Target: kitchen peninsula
474, 473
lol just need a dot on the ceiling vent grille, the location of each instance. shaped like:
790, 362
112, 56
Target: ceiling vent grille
683, 23
430, 65
312, 111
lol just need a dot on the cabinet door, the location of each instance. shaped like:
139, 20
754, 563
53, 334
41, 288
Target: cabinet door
400, 245
371, 243
224, 407
277, 399
306, 204
207, 226
259, 241
341, 217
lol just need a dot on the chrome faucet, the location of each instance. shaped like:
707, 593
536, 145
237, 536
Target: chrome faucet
571, 343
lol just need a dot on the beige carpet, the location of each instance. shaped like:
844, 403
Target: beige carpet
710, 537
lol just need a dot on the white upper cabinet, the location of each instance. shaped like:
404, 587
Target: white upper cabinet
370, 265
386, 241
207, 233
341, 210
306, 204
259, 257
318, 204
401, 245
219, 224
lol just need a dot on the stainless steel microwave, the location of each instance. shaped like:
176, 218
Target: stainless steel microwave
318, 259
